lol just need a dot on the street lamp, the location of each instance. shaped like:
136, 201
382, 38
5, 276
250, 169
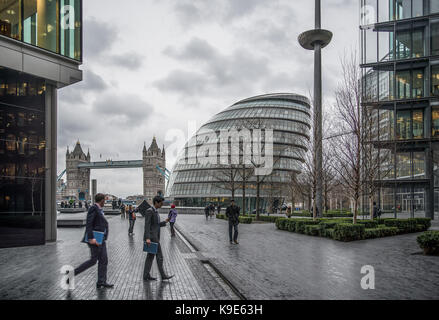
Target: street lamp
316, 40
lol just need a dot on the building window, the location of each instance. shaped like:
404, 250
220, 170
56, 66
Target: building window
435, 37
435, 80
418, 43
54, 25
10, 22
434, 6
435, 122
403, 9
403, 125
418, 124
403, 84
403, 44
418, 84
419, 165
403, 166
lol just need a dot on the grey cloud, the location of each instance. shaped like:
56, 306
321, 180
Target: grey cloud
99, 36
128, 109
129, 60
92, 83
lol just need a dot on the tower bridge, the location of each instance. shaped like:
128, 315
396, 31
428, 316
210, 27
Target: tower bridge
79, 165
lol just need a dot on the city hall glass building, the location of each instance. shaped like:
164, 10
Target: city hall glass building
40, 52
288, 115
400, 64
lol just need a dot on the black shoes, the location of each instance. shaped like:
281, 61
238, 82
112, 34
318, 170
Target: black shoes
236, 242
105, 286
149, 278
167, 277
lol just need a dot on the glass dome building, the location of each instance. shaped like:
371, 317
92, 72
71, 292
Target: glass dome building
195, 182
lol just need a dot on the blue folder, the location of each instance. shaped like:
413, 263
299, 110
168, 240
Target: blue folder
152, 248
99, 237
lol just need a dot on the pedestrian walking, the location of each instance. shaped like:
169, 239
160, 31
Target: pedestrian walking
152, 234
98, 252
172, 216
122, 211
132, 217
232, 214
206, 212
219, 208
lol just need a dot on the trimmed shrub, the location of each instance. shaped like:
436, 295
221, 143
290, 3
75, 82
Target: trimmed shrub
425, 222
245, 220
301, 224
221, 216
291, 225
348, 232
369, 224
314, 230
329, 233
383, 231
404, 225
429, 241
281, 223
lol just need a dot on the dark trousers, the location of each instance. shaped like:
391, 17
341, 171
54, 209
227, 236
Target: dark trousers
132, 222
231, 227
172, 228
96, 254
150, 259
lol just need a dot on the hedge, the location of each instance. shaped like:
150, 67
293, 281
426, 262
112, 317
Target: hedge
325, 215
245, 220
380, 232
314, 230
429, 241
349, 232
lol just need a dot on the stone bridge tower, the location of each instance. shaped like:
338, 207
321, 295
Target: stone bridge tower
153, 181
78, 180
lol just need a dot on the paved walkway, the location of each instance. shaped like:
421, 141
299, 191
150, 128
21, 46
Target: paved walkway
273, 264
34, 272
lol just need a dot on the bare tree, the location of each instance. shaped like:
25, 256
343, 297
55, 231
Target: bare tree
349, 146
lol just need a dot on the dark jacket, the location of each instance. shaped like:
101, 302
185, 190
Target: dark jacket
132, 214
232, 214
96, 222
152, 225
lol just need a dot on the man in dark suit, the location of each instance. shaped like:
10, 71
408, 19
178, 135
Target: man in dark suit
96, 222
152, 234
232, 214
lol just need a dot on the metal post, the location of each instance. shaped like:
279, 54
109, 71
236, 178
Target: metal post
316, 40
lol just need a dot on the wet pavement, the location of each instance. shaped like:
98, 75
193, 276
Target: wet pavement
273, 264
33, 273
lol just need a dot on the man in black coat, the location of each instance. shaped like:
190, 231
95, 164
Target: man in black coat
152, 234
98, 253
232, 214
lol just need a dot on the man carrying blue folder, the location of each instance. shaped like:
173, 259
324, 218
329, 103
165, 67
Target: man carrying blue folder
96, 233
152, 235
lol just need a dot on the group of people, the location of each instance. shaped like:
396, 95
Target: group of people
71, 204
209, 210
96, 222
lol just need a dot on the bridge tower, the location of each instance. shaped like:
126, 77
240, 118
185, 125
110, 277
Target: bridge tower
78, 180
153, 181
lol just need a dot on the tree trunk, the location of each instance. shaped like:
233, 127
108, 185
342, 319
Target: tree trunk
258, 190
244, 202
371, 207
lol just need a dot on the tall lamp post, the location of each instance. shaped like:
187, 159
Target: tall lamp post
316, 40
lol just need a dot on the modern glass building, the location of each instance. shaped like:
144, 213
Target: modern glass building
194, 182
40, 52
400, 64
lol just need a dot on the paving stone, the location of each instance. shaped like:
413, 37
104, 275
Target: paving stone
273, 264
34, 272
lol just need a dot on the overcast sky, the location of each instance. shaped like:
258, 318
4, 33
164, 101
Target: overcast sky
152, 66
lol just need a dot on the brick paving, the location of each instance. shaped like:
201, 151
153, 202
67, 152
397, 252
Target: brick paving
33, 273
273, 264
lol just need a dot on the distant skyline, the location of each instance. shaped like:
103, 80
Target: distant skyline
151, 66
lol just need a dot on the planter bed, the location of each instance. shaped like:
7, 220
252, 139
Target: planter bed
344, 230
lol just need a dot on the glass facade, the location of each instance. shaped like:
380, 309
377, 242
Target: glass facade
399, 48
194, 183
22, 159
54, 25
